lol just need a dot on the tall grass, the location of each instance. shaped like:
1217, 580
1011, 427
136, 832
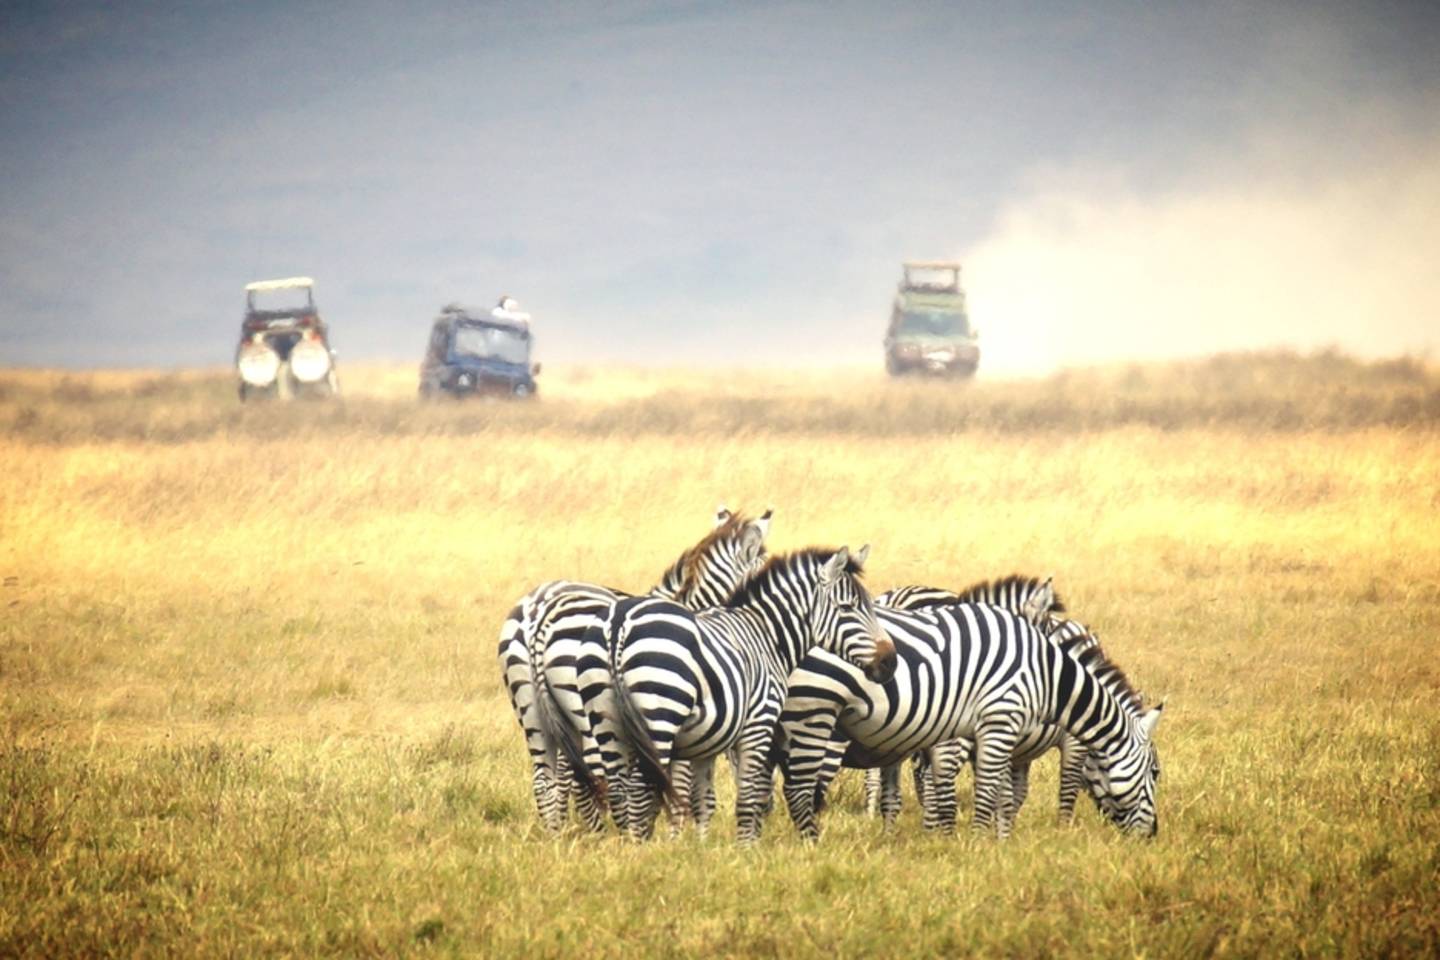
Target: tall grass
249, 703
1271, 392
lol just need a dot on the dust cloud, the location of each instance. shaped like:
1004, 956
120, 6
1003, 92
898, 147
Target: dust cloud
1080, 270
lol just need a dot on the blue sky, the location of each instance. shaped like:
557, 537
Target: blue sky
714, 182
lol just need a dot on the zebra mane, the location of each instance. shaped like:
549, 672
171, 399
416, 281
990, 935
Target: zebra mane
1022, 585
682, 574
1085, 647
781, 563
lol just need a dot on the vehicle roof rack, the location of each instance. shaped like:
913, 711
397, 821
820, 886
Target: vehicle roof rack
288, 283
514, 319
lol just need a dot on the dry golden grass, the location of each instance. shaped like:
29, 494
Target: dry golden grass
250, 702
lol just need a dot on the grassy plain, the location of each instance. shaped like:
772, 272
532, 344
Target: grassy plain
249, 702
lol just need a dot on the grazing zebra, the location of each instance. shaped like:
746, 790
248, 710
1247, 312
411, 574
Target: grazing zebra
537, 654
944, 761
1031, 597
979, 672
694, 685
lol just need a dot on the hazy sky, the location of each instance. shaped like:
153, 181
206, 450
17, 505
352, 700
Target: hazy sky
728, 182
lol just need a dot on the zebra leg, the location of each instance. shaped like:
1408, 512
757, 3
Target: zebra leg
1019, 787
642, 804
701, 794
548, 798
1072, 777
590, 808
755, 785
589, 804
922, 773
806, 753
829, 768
677, 805
890, 795
874, 787
568, 787
769, 793
994, 745
946, 761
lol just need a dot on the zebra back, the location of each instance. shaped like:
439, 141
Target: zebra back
916, 597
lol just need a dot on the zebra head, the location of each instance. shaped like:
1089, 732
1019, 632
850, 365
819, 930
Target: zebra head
1123, 780
844, 620
713, 569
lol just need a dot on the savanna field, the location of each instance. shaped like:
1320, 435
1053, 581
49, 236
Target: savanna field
249, 699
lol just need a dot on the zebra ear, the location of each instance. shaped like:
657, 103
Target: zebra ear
764, 522
1038, 604
722, 513
835, 566
1150, 719
860, 556
752, 541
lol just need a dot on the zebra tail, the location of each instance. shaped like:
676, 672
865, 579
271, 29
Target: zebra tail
556, 728
632, 722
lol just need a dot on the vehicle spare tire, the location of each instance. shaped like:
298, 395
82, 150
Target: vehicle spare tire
309, 361
258, 364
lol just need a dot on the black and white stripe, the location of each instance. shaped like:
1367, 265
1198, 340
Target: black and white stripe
935, 779
538, 646
690, 686
1032, 597
982, 673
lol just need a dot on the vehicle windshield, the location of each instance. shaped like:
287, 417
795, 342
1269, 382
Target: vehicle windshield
492, 343
923, 323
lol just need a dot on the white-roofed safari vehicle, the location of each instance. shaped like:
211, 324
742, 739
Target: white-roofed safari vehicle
284, 346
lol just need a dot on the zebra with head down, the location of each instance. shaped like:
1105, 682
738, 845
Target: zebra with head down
538, 649
946, 760
981, 673
936, 768
1032, 597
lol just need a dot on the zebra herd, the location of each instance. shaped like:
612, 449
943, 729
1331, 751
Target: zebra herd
787, 663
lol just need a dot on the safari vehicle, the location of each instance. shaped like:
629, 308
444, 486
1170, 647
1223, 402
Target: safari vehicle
284, 347
474, 351
929, 328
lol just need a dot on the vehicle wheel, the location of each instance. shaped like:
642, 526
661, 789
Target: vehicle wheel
892, 367
244, 391
522, 390
333, 383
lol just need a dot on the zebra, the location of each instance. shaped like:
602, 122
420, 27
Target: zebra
944, 761
717, 567
1032, 597
694, 685
980, 672
548, 621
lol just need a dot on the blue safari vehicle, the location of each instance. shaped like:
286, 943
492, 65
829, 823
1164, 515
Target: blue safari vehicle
474, 351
